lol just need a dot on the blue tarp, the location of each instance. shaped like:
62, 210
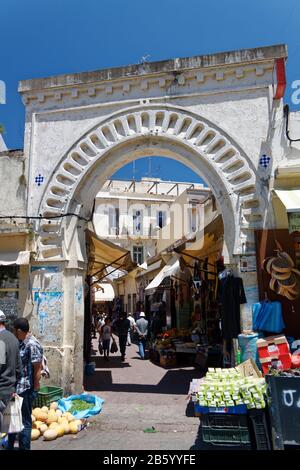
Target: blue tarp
65, 404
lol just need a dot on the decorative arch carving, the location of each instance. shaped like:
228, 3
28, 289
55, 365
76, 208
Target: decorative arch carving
214, 147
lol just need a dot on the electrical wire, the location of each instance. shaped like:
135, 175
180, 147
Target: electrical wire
286, 111
40, 217
50, 217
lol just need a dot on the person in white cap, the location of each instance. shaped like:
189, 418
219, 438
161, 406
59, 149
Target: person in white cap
10, 364
141, 327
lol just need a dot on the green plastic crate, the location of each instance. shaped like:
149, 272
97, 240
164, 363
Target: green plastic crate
225, 429
226, 436
46, 395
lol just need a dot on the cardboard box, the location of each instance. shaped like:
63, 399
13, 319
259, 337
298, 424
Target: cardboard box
272, 346
282, 362
249, 369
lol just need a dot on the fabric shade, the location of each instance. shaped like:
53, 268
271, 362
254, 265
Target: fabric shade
212, 239
172, 268
17, 257
104, 293
290, 199
150, 268
102, 253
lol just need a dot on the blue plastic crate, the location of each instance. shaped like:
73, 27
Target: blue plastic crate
233, 410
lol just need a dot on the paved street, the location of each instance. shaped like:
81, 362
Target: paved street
138, 395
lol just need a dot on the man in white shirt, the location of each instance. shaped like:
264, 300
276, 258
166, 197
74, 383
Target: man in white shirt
130, 331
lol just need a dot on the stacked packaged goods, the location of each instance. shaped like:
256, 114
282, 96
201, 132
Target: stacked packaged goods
228, 391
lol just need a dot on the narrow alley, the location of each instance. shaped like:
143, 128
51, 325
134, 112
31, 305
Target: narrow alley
139, 397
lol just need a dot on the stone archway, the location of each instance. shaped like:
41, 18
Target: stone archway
154, 130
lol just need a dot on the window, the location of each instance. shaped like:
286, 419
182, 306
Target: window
193, 218
161, 217
137, 222
138, 254
114, 215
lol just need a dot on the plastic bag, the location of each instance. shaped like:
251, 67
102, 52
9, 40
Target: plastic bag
100, 347
12, 416
267, 316
114, 347
64, 404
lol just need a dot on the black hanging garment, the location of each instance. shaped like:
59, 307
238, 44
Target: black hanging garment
232, 296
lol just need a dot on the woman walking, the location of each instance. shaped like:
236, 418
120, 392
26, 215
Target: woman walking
105, 336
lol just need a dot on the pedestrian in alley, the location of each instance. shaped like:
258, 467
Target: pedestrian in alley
156, 326
10, 365
105, 336
131, 329
29, 384
141, 328
122, 326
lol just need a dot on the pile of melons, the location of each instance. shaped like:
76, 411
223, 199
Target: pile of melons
52, 423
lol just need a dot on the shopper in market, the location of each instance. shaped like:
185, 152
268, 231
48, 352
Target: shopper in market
10, 365
156, 326
131, 329
106, 335
122, 326
141, 328
28, 386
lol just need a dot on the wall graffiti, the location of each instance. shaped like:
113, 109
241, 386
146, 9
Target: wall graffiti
48, 311
79, 294
289, 399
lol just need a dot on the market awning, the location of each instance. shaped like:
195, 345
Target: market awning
172, 268
104, 292
18, 257
149, 268
290, 199
103, 254
212, 239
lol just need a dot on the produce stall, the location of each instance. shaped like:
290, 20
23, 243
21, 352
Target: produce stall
284, 399
174, 347
231, 404
58, 418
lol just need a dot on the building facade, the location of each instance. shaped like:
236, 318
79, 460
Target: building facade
221, 115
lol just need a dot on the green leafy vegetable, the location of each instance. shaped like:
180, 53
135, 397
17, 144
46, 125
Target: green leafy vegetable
80, 405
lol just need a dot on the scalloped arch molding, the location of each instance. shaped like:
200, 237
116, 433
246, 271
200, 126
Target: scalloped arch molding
212, 152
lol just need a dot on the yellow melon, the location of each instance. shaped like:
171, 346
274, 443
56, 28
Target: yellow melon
36, 411
43, 428
35, 434
45, 409
69, 417
60, 431
53, 425
37, 424
50, 435
66, 427
52, 418
73, 427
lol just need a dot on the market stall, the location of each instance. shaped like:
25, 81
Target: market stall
54, 417
231, 404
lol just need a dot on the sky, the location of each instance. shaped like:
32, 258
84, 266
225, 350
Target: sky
51, 37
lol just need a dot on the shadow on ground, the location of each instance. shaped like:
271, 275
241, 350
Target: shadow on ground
113, 363
174, 382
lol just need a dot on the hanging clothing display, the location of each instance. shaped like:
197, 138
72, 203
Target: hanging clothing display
232, 296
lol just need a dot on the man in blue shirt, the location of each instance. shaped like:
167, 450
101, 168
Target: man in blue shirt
31, 357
